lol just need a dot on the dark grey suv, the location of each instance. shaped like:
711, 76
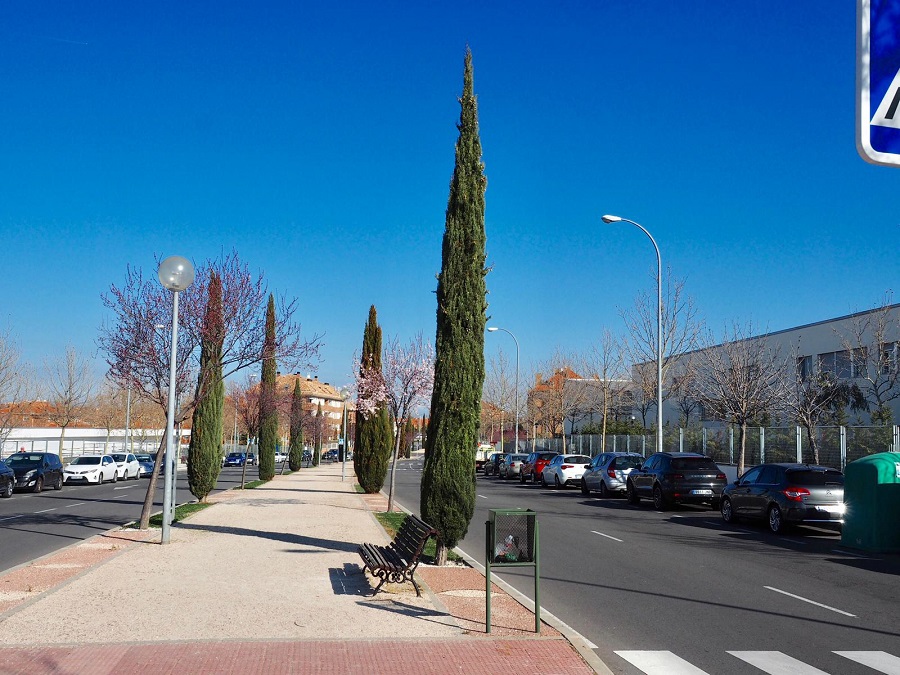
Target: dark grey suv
676, 478
783, 494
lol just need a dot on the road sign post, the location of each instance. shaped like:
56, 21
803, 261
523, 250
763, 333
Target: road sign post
878, 81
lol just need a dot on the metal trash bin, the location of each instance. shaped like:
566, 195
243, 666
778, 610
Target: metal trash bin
511, 540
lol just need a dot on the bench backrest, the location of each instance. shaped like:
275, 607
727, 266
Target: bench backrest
411, 538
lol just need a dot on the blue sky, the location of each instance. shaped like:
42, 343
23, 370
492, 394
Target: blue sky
317, 139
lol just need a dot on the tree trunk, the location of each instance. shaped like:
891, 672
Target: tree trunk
62, 437
151, 487
394, 469
743, 448
813, 446
440, 554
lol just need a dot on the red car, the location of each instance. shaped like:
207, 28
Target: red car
532, 467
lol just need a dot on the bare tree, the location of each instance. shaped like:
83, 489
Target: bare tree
15, 384
499, 390
681, 329
644, 387
70, 383
606, 360
872, 356
683, 386
551, 402
741, 379
137, 352
106, 409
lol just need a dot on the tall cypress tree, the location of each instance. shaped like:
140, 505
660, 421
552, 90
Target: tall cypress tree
204, 462
448, 480
374, 435
268, 411
295, 456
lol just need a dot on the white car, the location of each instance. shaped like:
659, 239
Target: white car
565, 470
127, 465
280, 457
91, 469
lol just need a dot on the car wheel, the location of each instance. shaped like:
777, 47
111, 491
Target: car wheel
604, 491
727, 513
776, 520
632, 494
543, 480
659, 502
58, 484
38, 485
533, 478
556, 482
115, 476
585, 490
8, 490
522, 478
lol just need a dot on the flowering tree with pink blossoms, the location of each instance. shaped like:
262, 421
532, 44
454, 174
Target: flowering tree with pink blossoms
403, 384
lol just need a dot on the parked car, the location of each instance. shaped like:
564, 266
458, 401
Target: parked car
492, 464
7, 481
280, 458
534, 464
676, 478
91, 469
786, 494
146, 462
235, 459
510, 465
565, 470
36, 470
127, 465
251, 458
330, 456
608, 473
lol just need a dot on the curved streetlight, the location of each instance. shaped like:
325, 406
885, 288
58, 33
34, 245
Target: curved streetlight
176, 274
659, 350
494, 329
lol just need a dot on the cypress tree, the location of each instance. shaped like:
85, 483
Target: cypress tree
268, 411
409, 434
295, 456
320, 431
374, 437
204, 461
448, 480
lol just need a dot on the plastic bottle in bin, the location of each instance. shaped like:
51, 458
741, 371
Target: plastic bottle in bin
508, 550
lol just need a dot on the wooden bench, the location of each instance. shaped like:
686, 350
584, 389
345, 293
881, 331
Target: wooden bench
397, 561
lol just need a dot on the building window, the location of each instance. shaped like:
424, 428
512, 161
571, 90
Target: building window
889, 358
842, 365
804, 367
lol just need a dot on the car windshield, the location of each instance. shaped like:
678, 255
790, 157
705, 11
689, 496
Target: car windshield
547, 455
628, 462
119, 457
577, 459
518, 458
693, 464
85, 460
814, 478
234, 455
144, 458
22, 459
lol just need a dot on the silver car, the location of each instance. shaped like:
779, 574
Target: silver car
609, 471
510, 465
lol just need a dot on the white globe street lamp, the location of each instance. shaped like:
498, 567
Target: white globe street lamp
494, 329
176, 274
659, 350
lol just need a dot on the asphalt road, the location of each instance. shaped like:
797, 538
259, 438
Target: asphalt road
711, 597
33, 525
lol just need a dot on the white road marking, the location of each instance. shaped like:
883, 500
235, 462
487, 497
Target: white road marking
11, 517
880, 661
812, 602
78, 504
660, 663
127, 487
607, 536
46, 510
776, 663
482, 497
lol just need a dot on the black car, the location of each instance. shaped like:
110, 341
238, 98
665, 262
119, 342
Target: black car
36, 470
492, 465
676, 478
786, 494
7, 481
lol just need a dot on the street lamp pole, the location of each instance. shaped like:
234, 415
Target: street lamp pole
176, 274
659, 349
494, 329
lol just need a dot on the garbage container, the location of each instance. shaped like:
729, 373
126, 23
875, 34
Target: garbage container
512, 534
872, 498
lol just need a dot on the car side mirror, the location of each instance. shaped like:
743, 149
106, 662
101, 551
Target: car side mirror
587, 466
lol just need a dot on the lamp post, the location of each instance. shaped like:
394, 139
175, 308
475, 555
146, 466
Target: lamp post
659, 350
494, 329
176, 274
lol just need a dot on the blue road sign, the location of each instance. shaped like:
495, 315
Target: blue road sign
878, 81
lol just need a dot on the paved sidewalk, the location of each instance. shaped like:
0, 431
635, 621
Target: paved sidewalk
266, 581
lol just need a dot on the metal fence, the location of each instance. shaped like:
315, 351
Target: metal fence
835, 446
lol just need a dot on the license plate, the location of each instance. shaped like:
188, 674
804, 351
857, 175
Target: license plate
701, 492
835, 509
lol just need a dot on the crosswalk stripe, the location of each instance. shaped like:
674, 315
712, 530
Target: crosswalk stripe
660, 663
776, 663
880, 661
